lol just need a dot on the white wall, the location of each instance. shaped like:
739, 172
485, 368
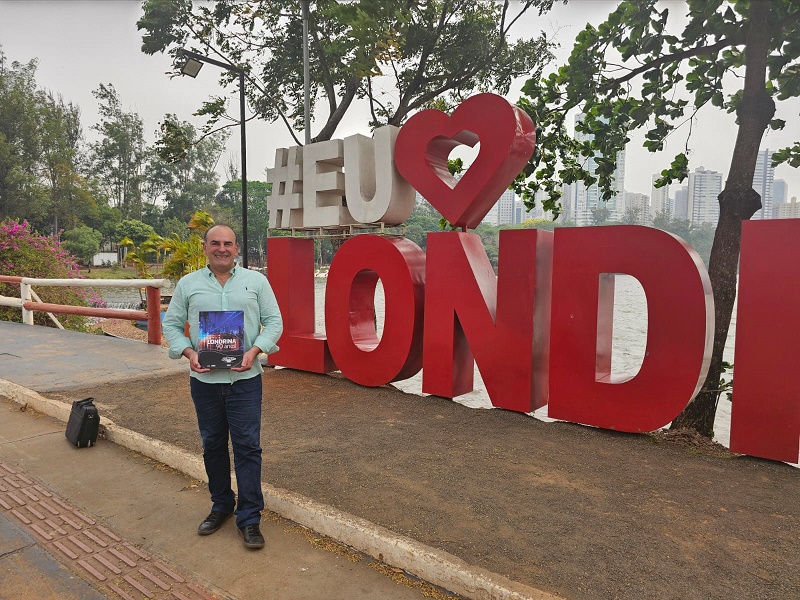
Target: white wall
101, 257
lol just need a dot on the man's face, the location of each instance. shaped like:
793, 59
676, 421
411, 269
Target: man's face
220, 249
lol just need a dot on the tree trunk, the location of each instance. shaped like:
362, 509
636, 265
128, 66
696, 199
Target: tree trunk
326, 133
738, 202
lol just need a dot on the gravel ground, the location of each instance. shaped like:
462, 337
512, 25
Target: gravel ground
126, 329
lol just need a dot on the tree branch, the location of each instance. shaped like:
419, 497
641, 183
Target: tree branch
678, 56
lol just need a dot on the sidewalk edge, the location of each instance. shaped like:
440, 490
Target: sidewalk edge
430, 564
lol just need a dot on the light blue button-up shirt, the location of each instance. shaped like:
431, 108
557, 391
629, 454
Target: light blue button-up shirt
245, 290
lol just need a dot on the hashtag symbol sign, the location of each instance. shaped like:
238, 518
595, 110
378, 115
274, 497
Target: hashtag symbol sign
286, 201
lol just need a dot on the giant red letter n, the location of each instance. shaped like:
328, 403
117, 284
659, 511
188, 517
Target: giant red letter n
503, 321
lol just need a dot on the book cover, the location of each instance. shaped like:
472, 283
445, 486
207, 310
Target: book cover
220, 342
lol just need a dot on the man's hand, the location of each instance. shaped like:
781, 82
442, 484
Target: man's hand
194, 362
248, 359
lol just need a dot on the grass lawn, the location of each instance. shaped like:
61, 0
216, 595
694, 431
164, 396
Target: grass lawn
117, 272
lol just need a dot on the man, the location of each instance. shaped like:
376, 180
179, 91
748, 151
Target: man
227, 401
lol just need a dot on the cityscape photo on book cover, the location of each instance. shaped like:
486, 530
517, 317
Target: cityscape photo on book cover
220, 341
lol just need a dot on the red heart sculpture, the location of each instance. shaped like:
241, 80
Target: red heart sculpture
507, 136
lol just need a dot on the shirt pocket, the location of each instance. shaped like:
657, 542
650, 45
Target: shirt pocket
247, 301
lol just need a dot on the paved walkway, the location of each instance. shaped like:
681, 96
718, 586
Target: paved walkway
108, 522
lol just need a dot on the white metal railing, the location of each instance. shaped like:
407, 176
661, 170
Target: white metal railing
29, 301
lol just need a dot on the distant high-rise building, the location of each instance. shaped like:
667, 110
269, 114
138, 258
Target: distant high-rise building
780, 192
788, 210
704, 188
762, 183
636, 206
588, 199
568, 202
660, 202
491, 216
681, 204
537, 212
505, 208
503, 212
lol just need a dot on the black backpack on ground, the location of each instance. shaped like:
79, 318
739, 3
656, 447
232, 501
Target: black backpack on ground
83, 424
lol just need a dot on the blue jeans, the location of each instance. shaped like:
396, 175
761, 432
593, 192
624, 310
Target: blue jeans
234, 409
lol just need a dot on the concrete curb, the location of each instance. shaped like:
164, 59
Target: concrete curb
432, 565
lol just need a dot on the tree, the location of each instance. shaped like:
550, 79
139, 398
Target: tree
119, 157
424, 219
83, 242
630, 72
135, 230
632, 216
414, 53
40, 154
182, 169
21, 191
60, 131
700, 237
546, 224
600, 215
230, 199
186, 255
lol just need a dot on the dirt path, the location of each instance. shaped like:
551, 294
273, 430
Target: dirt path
581, 512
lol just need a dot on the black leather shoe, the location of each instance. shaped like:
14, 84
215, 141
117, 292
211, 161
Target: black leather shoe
252, 536
212, 522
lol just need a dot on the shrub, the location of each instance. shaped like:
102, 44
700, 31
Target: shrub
23, 253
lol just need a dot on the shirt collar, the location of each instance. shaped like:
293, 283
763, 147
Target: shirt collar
210, 273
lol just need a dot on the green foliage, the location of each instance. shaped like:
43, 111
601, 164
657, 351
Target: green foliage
490, 238
26, 254
600, 215
790, 156
136, 256
83, 242
632, 216
137, 231
230, 198
182, 171
700, 237
186, 255
433, 52
545, 224
40, 135
118, 159
424, 219
726, 386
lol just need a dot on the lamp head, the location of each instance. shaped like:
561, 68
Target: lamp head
191, 67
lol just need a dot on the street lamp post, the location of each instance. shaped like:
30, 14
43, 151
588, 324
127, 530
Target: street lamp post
306, 73
194, 62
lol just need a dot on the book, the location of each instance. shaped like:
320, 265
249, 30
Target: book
220, 340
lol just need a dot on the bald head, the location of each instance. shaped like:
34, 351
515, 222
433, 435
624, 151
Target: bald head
220, 248
213, 227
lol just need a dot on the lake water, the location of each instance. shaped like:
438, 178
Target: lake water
127, 298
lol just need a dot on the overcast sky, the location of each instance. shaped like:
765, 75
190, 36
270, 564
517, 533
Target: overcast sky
80, 44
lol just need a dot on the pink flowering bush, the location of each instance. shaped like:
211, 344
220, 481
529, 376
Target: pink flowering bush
24, 253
